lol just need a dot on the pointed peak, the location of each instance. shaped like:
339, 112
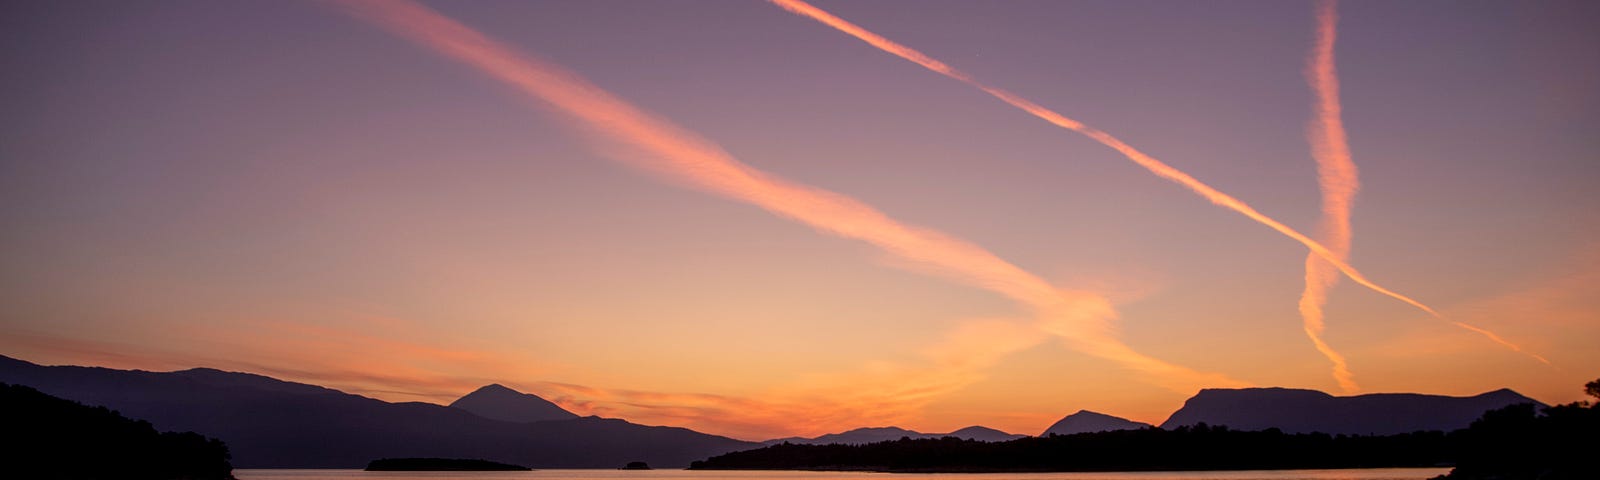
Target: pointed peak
1507, 394
498, 402
1088, 421
494, 388
1092, 414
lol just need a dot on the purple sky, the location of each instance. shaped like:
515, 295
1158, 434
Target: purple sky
181, 183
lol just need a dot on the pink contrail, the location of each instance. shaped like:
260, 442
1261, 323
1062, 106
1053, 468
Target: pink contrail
1337, 176
1155, 166
1339, 180
661, 147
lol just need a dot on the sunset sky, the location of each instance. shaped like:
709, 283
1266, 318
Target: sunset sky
728, 216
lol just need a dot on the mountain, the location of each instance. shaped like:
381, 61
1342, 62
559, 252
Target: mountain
1301, 411
497, 402
270, 423
866, 435
861, 436
1086, 421
983, 434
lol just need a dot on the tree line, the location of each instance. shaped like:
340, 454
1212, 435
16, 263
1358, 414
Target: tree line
53, 438
1515, 442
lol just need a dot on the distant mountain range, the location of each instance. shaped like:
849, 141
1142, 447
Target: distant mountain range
1086, 422
1304, 411
270, 423
862, 436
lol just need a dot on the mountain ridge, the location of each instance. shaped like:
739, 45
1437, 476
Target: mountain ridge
271, 423
1302, 411
864, 435
1085, 421
497, 422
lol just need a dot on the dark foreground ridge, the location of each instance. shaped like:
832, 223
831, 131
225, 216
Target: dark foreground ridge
49, 437
440, 465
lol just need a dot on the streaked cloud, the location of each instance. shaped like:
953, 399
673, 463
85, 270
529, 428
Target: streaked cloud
658, 146
1338, 179
1150, 163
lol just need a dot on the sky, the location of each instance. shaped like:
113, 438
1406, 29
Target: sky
731, 217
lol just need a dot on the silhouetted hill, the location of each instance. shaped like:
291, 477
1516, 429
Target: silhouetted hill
497, 402
1086, 421
49, 437
861, 436
269, 423
865, 435
983, 434
1302, 411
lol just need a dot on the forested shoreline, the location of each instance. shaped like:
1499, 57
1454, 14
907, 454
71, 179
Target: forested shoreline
1520, 441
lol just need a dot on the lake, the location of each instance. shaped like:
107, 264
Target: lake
1348, 474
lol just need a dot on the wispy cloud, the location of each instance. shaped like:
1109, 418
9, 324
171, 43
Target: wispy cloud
1155, 166
880, 393
1338, 179
1083, 319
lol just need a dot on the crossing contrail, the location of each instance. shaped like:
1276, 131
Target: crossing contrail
1083, 319
1338, 179
1155, 166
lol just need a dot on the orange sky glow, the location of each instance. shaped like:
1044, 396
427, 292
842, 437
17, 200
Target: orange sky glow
759, 228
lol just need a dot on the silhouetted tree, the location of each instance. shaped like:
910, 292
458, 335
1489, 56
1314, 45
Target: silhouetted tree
1197, 447
53, 438
1512, 443
1520, 443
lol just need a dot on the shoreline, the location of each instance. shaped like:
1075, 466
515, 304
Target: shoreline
1026, 470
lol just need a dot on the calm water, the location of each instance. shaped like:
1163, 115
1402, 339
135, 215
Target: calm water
1363, 474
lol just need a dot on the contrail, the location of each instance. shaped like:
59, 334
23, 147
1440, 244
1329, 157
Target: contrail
1157, 167
1338, 179
659, 146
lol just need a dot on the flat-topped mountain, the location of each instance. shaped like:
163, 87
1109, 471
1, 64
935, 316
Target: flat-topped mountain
1302, 411
1086, 421
497, 402
867, 435
270, 423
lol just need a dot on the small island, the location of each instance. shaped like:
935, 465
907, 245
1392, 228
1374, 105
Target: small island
636, 466
440, 465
